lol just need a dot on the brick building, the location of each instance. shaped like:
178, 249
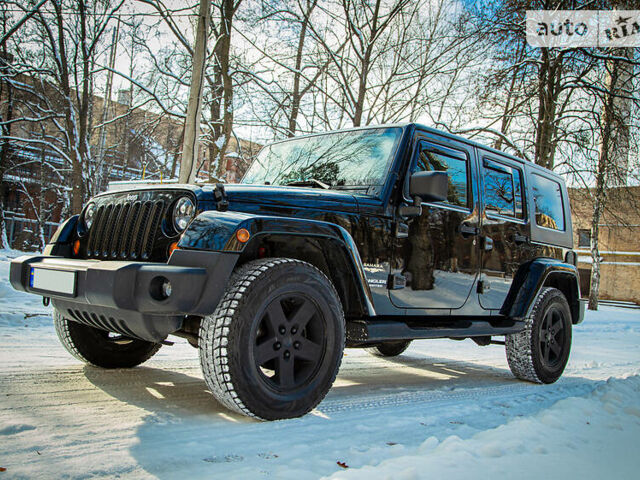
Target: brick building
135, 144
619, 242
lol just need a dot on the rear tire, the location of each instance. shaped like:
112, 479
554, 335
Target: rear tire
96, 347
389, 349
540, 352
273, 347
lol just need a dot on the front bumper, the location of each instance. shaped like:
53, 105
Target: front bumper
122, 296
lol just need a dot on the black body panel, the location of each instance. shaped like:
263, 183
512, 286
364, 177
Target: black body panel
390, 256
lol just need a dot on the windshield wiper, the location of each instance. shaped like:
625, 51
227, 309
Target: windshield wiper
309, 182
351, 187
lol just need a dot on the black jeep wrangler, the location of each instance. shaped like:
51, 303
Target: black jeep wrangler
370, 237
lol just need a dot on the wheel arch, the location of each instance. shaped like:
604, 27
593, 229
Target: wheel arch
327, 246
532, 277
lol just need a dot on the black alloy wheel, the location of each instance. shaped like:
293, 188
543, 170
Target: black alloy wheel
551, 337
289, 342
273, 347
540, 352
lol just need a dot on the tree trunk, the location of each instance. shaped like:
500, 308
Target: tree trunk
614, 151
4, 146
296, 97
598, 207
194, 109
365, 63
362, 89
223, 95
549, 85
506, 113
72, 130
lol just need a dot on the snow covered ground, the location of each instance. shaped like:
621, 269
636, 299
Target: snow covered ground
444, 409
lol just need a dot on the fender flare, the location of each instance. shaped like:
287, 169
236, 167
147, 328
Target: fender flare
215, 231
532, 276
60, 242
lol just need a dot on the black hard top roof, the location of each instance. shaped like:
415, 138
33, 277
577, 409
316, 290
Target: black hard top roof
419, 126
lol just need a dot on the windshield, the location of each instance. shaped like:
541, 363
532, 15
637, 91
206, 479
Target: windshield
353, 158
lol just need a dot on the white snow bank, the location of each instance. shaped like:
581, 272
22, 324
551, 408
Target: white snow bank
12, 301
579, 437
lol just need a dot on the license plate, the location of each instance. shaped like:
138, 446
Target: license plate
55, 281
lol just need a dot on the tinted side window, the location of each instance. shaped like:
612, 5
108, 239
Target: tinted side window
517, 193
457, 168
498, 191
547, 196
503, 189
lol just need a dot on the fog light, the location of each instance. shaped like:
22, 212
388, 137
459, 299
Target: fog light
166, 288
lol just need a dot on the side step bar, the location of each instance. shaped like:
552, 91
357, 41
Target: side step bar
366, 331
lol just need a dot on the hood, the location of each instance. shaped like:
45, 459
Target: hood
277, 198
254, 198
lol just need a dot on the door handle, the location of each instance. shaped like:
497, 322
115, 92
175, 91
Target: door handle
467, 230
517, 238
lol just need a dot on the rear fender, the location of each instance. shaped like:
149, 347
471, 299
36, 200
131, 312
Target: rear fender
532, 277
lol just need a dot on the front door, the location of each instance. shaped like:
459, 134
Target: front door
505, 241
436, 265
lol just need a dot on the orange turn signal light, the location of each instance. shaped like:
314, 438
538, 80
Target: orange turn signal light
76, 247
173, 247
242, 235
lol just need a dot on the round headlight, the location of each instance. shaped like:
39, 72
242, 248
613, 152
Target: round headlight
183, 213
89, 215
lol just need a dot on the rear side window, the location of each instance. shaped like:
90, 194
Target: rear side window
547, 196
457, 168
517, 193
502, 189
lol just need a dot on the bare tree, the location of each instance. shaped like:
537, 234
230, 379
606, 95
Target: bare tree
613, 156
289, 65
222, 88
65, 37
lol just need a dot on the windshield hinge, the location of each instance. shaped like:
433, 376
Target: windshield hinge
220, 196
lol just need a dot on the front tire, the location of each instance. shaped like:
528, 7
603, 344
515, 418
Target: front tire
100, 348
540, 352
273, 347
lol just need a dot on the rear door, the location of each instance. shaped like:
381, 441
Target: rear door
505, 240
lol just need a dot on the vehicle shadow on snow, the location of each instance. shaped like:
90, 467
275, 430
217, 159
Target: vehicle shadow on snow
415, 372
164, 393
168, 393
187, 430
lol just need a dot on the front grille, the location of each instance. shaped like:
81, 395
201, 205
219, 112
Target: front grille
123, 231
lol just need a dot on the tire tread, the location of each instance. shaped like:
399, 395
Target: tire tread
519, 346
214, 332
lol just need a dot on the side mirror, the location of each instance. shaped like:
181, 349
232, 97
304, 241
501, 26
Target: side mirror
429, 186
